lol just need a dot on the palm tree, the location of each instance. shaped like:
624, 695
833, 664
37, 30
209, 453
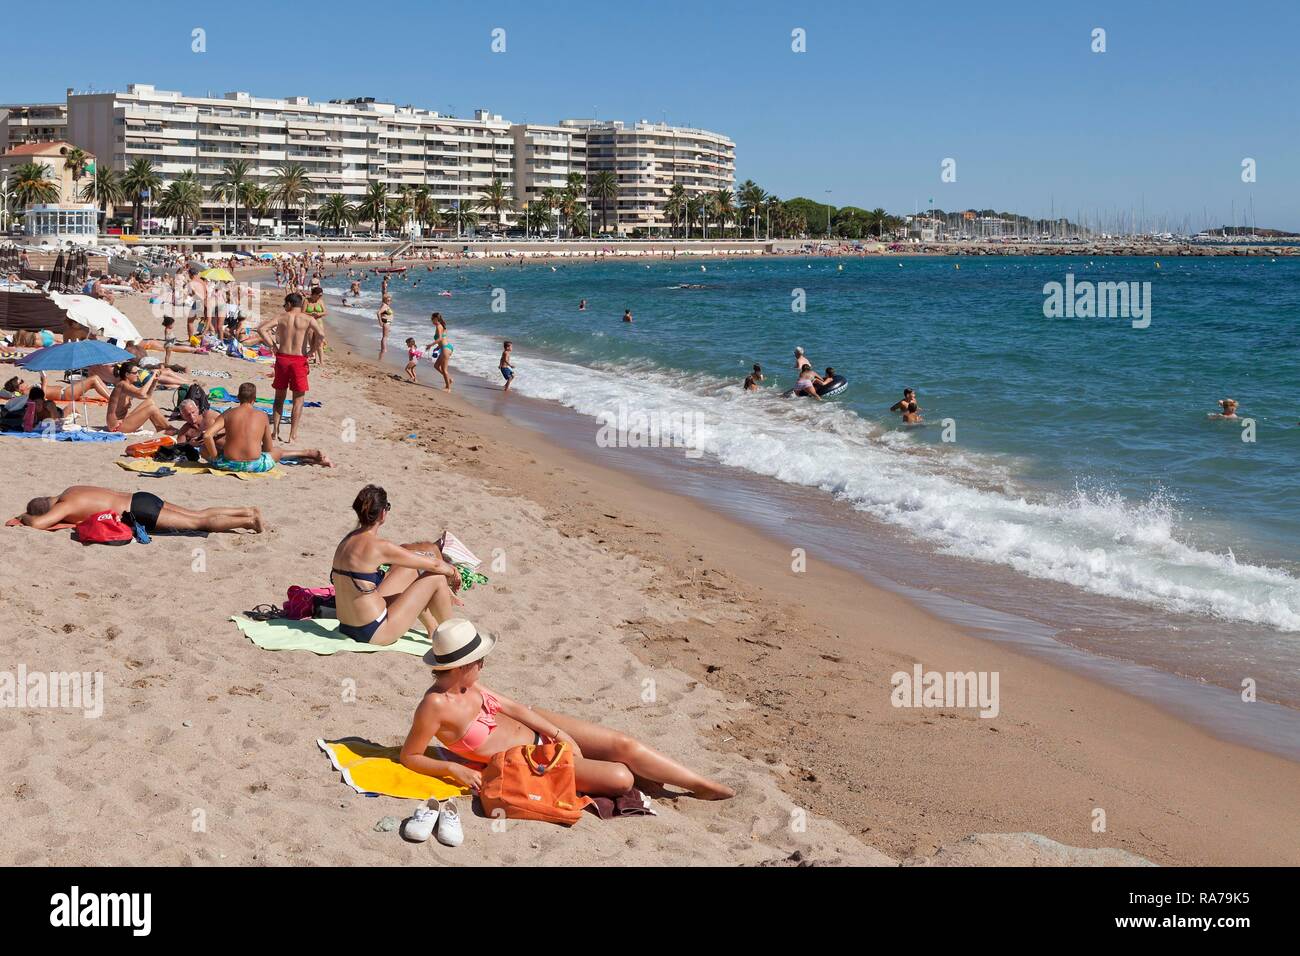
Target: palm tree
604, 186
422, 206
373, 204
496, 198
723, 208
879, 219
75, 159
139, 178
292, 188
467, 213
537, 216
399, 214
104, 189
257, 200
675, 208
182, 200
30, 184
336, 213
751, 197
233, 184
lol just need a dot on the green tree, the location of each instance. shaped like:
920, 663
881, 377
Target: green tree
140, 178
604, 189
30, 183
75, 159
104, 189
233, 184
292, 188
336, 213
496, 198
374, 204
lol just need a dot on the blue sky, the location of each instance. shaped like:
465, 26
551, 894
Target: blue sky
885, 91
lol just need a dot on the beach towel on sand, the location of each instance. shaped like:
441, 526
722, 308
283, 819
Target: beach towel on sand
85, 435
321, 636
370, 768
149, 466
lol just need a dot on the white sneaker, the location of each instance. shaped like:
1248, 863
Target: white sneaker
419, 826
449, 831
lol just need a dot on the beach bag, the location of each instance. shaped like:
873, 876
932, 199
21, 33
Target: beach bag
534, 782
302, 603
193, 393
147, 449
104, 528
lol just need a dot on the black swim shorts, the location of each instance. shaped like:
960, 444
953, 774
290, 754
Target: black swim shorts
146, 508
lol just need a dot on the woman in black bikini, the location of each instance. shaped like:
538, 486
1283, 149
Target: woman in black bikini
375, 607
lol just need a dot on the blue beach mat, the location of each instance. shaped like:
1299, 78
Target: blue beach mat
68, 436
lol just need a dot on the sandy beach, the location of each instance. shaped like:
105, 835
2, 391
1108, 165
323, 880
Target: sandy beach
776, 683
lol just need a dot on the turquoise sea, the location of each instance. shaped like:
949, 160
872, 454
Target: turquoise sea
1072, 459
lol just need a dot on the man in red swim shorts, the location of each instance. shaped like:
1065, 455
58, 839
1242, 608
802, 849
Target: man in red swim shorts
294, 336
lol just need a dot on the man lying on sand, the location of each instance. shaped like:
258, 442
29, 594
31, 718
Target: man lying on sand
80, 502
474, 723
246, 443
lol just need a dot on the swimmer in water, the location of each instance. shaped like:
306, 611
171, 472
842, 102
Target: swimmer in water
807, 384
582, 306
1229, 409
800, 360
909, 396
627, 315
753, 378
911, 415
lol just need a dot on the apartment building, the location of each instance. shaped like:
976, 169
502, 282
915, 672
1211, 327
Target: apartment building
545, 157
648, 160
22, 123
345, 145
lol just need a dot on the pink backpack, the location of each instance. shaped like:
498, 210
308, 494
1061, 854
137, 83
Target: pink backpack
300, 604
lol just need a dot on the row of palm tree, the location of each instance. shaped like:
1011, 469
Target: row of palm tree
752, 210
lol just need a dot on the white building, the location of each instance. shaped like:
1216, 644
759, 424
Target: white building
346, 145
545, 157
343, 144
648, 160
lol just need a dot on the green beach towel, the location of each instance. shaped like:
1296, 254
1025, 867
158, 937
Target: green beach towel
321, 637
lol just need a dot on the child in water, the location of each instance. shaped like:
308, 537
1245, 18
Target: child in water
507, 370
413, 355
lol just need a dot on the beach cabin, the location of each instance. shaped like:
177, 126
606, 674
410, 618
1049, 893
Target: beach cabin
58, 221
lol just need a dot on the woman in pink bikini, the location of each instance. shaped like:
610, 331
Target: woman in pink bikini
469, 720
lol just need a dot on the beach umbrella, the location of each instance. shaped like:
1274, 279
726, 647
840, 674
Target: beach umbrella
98, 316
267, 255
58, 275
217, 275
70, 355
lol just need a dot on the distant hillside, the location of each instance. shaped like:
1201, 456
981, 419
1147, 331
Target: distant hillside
1246, 231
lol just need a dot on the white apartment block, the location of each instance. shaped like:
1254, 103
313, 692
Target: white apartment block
648, 160
545, 157
344, 144
32, 123
347, 144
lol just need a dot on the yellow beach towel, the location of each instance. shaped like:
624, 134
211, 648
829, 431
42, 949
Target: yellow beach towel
369, 768
149, 466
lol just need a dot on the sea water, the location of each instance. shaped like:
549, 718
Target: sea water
1068, 464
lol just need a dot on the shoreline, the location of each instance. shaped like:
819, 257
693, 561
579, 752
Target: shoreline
750, 566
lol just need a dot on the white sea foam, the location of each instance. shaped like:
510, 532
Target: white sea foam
963, 503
